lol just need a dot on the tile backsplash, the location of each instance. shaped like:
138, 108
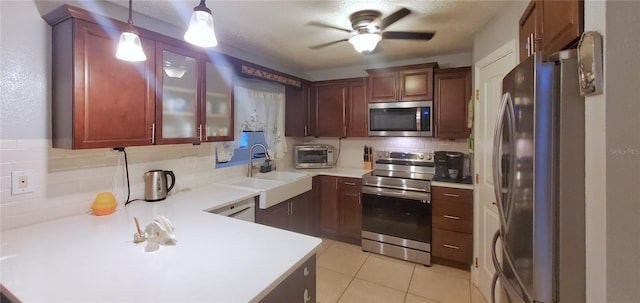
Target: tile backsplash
65, 182
351, 149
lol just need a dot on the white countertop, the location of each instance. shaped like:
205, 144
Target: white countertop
89, 258
452, 185
336, 171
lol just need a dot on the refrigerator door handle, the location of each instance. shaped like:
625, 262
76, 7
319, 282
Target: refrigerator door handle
497, 184
511, 127
500, 272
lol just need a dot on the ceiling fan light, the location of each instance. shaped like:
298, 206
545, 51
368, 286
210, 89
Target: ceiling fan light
130, 48
365, 42
200, 30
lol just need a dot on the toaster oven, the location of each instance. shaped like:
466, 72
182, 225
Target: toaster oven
313, 156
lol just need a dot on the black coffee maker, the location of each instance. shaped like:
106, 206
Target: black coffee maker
449, 165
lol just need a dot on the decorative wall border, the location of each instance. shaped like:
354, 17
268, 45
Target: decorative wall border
269, 76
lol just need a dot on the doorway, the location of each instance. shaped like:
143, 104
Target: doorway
489, 72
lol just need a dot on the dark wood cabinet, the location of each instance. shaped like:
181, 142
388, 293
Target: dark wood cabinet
340, 205
196, 104
357, 122
299, 286
452, 219
452, 95
402, 83
98, 100
178, 94
550, 26
339, 108
330, 100
329, 214
292, 215
383, 86
296, 112
562, 24
350, 207
530, 32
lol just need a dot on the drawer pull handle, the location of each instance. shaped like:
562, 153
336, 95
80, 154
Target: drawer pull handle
451, 217
451, 246
349, 183
452, 195
306, 271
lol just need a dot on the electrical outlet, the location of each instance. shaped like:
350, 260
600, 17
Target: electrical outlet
21, 182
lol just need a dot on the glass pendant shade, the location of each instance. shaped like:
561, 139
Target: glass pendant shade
365, 42
130, 48
200, 30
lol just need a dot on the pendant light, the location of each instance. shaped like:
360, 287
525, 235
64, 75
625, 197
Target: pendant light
130, 47
200, 30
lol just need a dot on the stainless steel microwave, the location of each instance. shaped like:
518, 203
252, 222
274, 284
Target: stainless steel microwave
401, 119
313, 156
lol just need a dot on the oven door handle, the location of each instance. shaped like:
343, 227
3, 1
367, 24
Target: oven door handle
397, 193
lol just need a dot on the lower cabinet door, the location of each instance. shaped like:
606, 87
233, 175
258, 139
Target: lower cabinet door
452, 245
274, 216
299, 286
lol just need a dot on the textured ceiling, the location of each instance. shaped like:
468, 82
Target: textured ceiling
279, 30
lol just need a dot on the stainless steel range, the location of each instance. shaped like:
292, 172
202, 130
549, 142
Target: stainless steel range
396, 206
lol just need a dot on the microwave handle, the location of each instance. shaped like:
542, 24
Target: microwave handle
418, 119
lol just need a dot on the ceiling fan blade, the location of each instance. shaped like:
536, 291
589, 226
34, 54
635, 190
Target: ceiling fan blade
408, 35
319, 24
327, 44
391, 19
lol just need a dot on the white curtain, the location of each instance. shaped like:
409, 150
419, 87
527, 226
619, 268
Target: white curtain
259, 106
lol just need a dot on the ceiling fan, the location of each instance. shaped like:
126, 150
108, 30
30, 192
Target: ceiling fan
369, 29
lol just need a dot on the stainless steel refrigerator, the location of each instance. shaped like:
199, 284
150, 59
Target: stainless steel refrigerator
538, 169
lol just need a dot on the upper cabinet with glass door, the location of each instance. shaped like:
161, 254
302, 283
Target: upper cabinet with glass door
176, 95
194, 97
217, 124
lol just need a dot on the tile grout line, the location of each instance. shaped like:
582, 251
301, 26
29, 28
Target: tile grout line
354, 277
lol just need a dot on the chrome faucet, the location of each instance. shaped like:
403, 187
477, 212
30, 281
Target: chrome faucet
250, 170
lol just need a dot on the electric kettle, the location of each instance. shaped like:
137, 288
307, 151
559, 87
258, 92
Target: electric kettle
155, 184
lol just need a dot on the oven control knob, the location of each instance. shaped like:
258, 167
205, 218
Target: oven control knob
379, 154
429, 157
386, 154
420, 156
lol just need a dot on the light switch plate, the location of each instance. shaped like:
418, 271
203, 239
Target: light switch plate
21, 182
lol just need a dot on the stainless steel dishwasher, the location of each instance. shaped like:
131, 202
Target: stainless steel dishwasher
244, 210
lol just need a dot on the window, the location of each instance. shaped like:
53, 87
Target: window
241, 153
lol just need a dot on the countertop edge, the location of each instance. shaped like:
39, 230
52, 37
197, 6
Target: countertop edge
452, 185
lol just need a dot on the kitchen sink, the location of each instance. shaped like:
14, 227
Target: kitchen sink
280, 175
274, 187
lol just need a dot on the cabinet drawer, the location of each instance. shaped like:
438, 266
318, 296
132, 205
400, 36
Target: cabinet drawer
452, 215
350, 185
452, 245
451, 194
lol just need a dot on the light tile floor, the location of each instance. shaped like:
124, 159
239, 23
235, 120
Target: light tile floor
347, 274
